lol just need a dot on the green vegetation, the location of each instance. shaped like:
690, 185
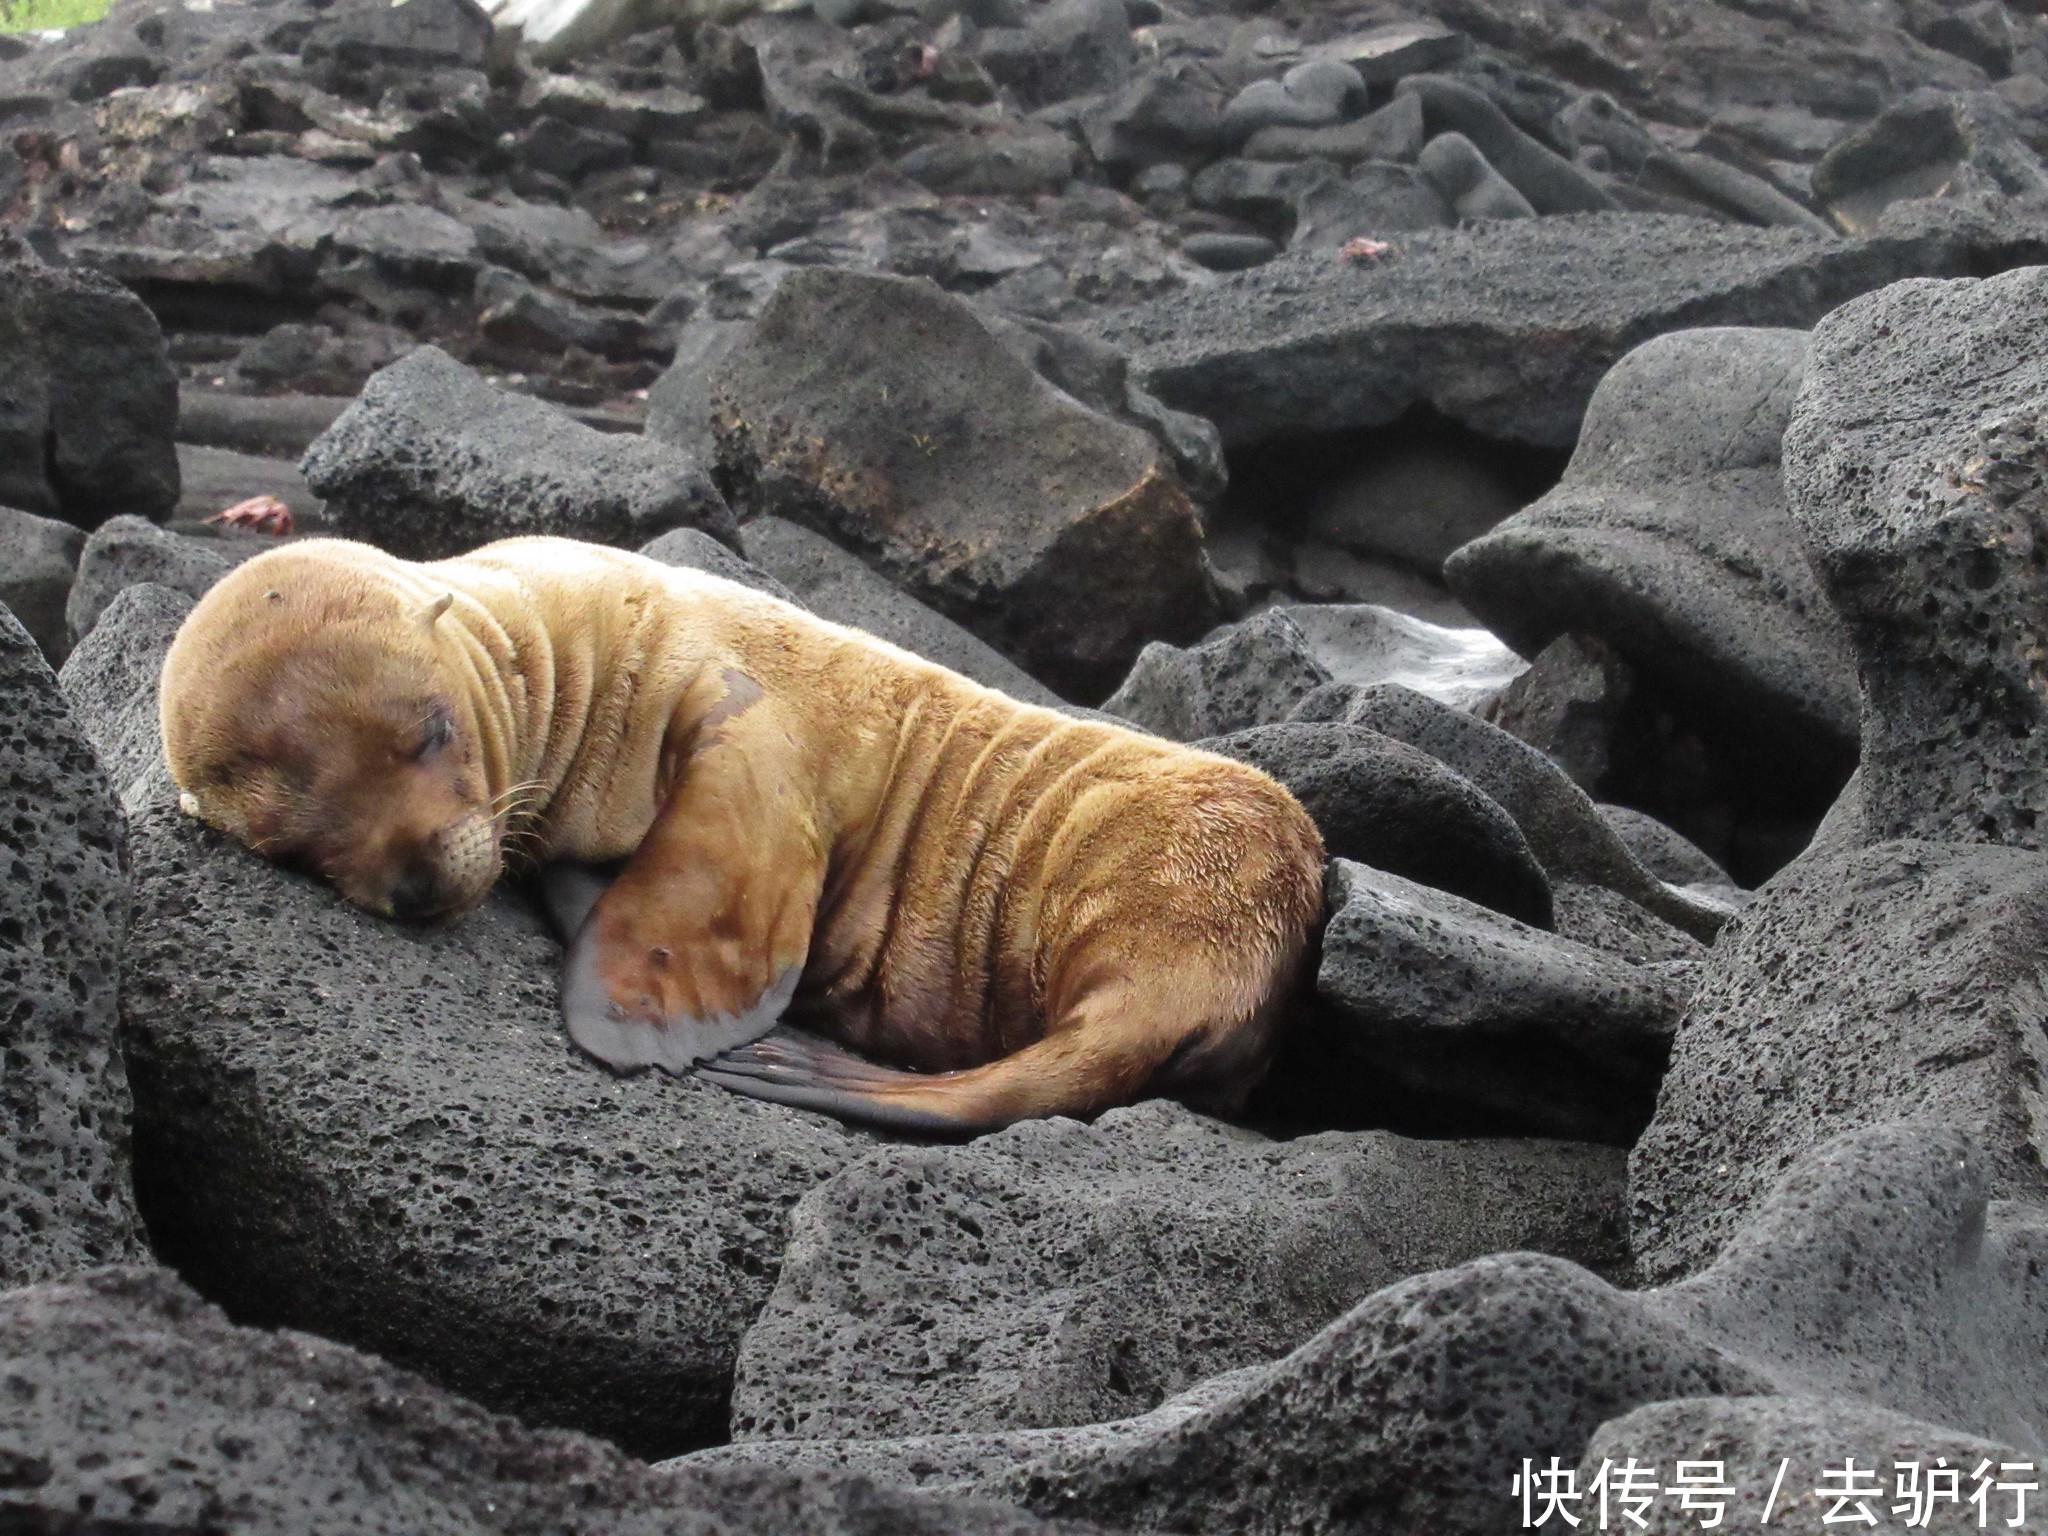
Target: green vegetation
34, 15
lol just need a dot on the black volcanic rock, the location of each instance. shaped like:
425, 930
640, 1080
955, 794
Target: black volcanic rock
432, 460
89, 402
1507, 327
66, 1201
885, 414
1914, 465
1669, 540
1891, 983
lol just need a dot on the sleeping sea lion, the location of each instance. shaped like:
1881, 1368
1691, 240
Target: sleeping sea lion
1019, 912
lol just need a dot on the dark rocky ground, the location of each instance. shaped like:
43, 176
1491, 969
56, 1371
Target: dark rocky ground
1591, 450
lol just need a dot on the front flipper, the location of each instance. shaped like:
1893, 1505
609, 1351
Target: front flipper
697, 946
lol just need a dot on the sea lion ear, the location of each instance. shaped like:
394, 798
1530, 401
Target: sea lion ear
434, 609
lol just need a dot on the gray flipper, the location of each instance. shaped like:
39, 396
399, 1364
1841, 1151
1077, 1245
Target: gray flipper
636, 1035
569, 891
804, 1071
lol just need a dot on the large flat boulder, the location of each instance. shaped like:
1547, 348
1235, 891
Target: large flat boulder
1668, 539
1508, 326
884, 414
1057, 1273
66, 1201
1912, 465
380, 1132
134, 1406
1875, 1278
1891, 983
90, 404
433, 460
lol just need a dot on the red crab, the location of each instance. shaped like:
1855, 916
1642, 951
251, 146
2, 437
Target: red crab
259, 514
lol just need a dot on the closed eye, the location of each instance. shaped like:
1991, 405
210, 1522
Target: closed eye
436, 731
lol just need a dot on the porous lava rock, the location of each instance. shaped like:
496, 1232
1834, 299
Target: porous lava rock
1058, 1273
1891, 983
432, 460
65, 1195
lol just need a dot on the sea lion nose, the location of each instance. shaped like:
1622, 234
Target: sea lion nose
416, 893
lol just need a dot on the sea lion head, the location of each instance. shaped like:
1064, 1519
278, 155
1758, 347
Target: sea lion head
313, 705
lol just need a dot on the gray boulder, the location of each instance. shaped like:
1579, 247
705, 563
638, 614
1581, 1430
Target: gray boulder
1876, 1278
380, 1133
1891, 983
1250, 673
1381, 802
1508, 326
91, 402
1058, 1273
138, 1402
1669, 855
1442, 1017
66, 1201
110, 679
698, 551
1378, 199
1313, 94
1931, 144
1669, 540
1571, 705
835, 585
1394, 133
38, 562
679, 402
1471, 187
884, 414
1414, 504
1161, 118
1563, 826
125, 552
1549, 182
432, 460
1909, 465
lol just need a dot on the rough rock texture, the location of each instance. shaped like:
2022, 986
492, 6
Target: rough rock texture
127, 551
381, 1132
38, 559
111, 682
1899, 982
135, 1406
1933, 142
1915, 465
1057, 1273
1664, 853
1444, 1017
1250, 673
1059, 536
835, 585
1605, 919
89, 402
432, 460
65, 1198
1875, 1277
1669, 540
1381, 802
1506, 327
1752, 1438
1563, 826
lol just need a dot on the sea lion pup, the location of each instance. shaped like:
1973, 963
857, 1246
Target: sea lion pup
1022, 913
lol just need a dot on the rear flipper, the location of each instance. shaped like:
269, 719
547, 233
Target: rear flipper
804, 1071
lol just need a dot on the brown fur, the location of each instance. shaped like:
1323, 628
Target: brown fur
1036, 914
